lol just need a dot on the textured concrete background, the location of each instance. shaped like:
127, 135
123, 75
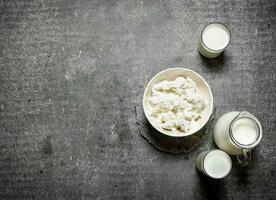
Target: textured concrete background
72, 74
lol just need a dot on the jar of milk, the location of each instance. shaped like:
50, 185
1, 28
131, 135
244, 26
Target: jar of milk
237, 133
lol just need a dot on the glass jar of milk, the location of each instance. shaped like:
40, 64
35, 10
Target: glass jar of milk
215, 37
237, 133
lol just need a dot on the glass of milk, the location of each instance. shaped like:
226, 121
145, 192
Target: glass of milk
237, 133
215, 163
215, 37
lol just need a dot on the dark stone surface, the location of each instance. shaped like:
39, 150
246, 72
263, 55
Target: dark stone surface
72, 73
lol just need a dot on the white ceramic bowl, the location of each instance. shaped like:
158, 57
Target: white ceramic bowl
171, 74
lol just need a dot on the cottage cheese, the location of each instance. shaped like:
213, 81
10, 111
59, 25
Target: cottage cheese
176, 104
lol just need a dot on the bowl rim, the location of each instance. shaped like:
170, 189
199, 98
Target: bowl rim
211, 102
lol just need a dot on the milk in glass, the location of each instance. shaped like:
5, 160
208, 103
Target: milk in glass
215, 164
215, 37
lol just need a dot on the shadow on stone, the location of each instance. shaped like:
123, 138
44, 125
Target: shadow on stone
242, 175
213, 64
48, 147
211, 188
243, 172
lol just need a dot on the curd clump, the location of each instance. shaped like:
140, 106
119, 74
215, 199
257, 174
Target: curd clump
176, 104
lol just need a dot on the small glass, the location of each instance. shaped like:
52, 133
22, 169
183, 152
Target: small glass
215, 37
215, 163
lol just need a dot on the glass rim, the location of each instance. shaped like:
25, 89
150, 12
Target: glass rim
218, 50
203, 167
252, 144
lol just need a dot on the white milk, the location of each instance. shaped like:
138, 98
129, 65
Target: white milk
245, 131
214, 39
216, 163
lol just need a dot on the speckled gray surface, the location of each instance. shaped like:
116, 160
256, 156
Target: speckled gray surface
73, 72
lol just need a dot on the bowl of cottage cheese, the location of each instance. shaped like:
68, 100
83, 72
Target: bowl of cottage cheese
178, 102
